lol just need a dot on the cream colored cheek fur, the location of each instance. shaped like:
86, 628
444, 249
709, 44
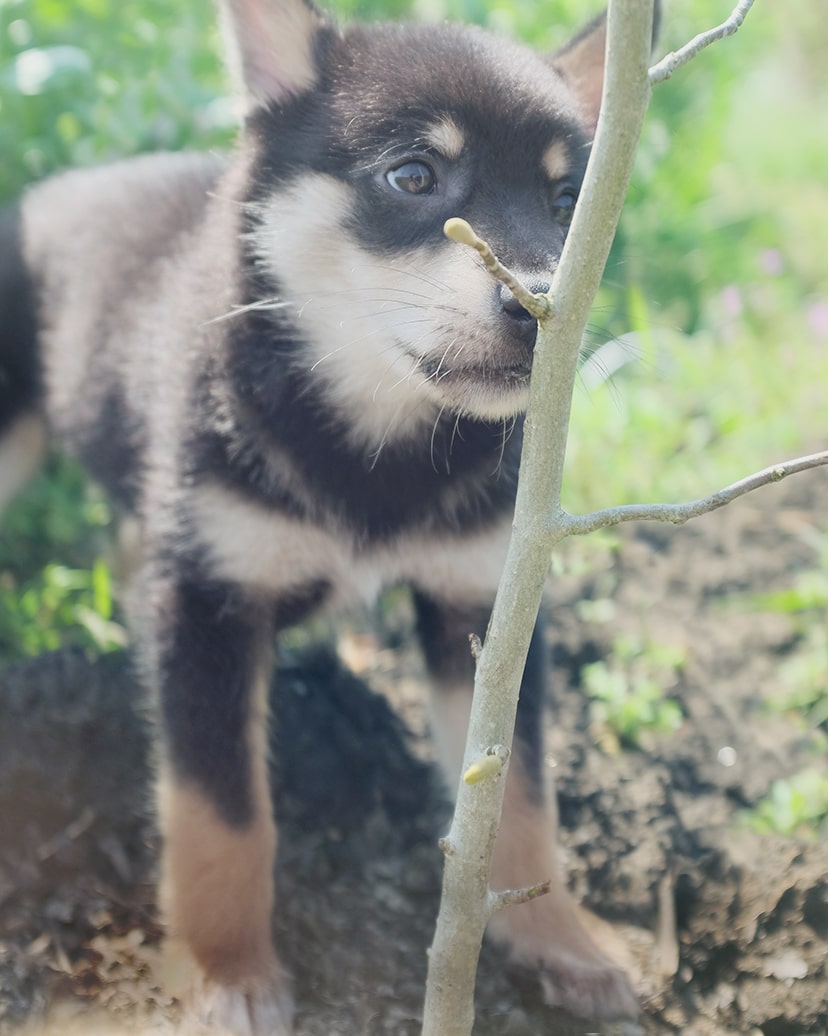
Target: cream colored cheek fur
368, 320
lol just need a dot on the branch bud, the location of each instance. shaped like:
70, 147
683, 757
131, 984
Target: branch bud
487, 766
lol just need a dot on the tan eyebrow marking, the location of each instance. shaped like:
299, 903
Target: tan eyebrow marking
446, 137
555, 160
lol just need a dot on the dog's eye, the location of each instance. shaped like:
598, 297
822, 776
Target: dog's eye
412, 178
563, 206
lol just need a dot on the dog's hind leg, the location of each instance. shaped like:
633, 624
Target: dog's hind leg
551, 933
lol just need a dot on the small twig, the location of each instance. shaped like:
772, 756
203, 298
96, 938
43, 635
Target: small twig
511, 897
674, 60
446, 846
459, 230
678, 514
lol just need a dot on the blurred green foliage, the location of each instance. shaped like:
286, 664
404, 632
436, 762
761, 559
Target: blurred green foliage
796, 806
55, 584
93, 80
627, 691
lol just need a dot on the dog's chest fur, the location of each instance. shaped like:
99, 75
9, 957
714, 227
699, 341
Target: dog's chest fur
248, 544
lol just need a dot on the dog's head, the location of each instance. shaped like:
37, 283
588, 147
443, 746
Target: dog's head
363, 143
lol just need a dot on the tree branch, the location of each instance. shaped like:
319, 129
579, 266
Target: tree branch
564, 524
513, 897
465, 905
459, 230
674, 60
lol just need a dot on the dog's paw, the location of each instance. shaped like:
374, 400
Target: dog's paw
210, 1009
598, 990
575, 955
255, 1001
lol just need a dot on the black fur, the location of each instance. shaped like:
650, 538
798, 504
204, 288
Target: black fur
499, 173
463, 480
20, 375
212, 646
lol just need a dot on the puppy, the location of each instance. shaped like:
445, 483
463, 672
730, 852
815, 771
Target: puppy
304, 393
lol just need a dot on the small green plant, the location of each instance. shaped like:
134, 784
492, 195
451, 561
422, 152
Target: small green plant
810, 590
59, 607
803, 676
46, 604
804, 679
796, 806
628, 692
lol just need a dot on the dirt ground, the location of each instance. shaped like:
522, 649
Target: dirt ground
729, 928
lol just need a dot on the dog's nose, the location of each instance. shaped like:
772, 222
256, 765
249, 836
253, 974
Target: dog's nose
510, 305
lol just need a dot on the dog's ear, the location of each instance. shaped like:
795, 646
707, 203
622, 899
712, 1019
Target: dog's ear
581, 63
272, 46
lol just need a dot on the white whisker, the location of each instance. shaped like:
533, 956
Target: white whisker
454, 433
433, 435
394, 420
503, 440
237, 311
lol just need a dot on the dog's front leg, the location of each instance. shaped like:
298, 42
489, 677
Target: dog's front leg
211, 662
551, 933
